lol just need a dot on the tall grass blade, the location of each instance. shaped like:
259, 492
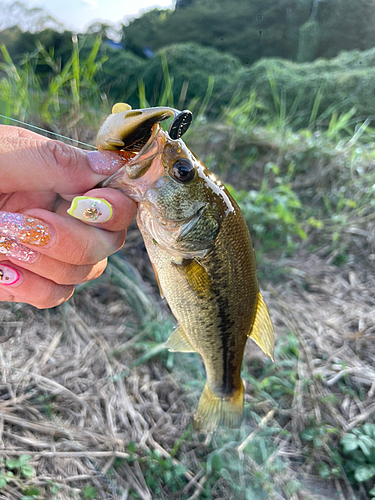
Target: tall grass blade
282, 115
183, 93
90, 64
75, 81
207, 97
166, 98
296, 102
315, 109
193, 104
236, 98
339, 123
275, 95
142, 94
359, 132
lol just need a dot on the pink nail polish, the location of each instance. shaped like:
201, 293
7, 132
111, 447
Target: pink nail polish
8, 275
12, 248
24, 229
105, 163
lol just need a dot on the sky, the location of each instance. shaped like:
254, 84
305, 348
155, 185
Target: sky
77, 15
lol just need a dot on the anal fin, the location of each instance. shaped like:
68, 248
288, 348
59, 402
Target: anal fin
178, 342
262, 330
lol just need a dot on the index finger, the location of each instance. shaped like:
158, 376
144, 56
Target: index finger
32, 162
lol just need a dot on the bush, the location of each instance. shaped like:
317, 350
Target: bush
119, 75
340, 84
191, 66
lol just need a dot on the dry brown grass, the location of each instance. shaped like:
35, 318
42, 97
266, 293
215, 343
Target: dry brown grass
72, 399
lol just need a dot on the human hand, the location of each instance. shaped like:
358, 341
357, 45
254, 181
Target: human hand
43, 250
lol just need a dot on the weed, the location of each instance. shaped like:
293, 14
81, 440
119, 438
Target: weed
31, 493
17, 470
358, 448
5, 477
21, 466
70, 95
272, 213
318, 435
89, 492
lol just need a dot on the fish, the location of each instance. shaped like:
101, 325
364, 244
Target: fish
200, 249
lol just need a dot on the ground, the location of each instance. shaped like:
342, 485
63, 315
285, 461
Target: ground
97, 403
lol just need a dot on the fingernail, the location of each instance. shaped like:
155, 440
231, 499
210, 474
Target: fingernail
105, 163
8, 275
12, 248
90, 209
24, 228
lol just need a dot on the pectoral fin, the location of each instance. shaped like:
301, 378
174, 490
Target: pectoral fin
196, 275
178, 342
262, 330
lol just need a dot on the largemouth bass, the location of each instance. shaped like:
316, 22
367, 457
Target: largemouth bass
200, 249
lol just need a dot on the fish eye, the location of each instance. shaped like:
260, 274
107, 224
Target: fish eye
183, 170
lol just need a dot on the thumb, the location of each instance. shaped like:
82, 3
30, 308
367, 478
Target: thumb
31, 162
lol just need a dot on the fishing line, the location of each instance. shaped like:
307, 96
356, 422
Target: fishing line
47, 131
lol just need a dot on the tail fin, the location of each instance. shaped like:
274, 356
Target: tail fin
213, 411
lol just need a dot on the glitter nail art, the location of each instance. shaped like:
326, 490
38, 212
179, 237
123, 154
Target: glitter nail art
8, 275
12, 248
24, 228
108, 162
90, 209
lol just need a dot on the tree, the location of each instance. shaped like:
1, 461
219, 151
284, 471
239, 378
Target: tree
180, 4
252, 29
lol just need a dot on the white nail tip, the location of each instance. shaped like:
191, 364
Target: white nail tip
90, 209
